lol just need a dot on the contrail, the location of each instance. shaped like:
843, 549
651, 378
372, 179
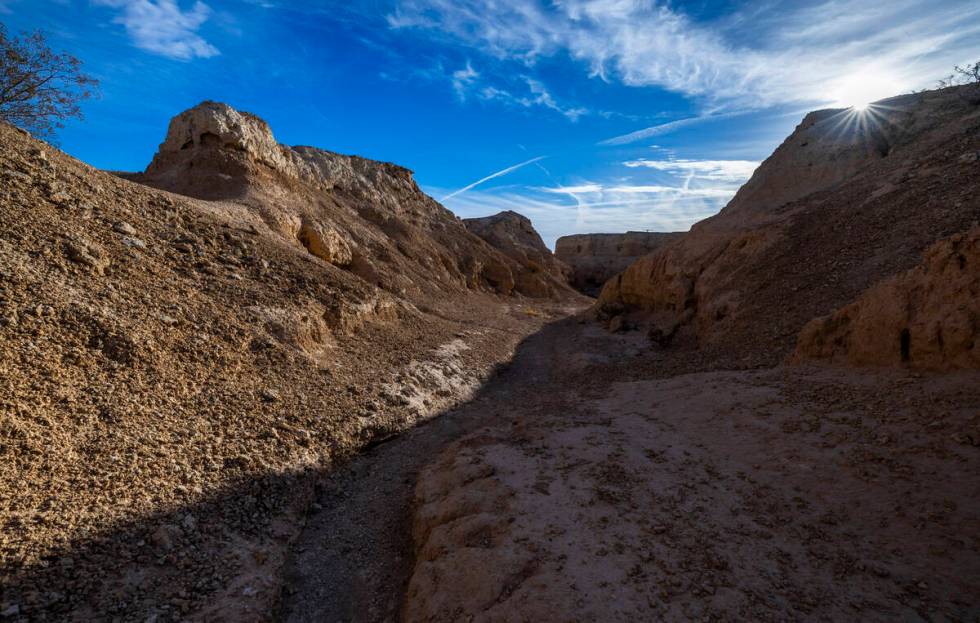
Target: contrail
493, 175
664, 128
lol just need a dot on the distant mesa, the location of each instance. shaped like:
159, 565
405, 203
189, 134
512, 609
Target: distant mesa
596, 258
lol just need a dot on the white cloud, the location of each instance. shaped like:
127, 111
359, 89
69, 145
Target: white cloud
462, 79
573, 190
467, 82
542, 97
819, 53
669, 195
721, 170
161, 27
595, 209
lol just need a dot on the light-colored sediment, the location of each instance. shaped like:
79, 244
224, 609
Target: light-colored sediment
843, 203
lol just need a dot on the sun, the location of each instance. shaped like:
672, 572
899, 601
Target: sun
857, 91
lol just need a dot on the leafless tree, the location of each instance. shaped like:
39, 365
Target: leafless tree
39, 88
967, 76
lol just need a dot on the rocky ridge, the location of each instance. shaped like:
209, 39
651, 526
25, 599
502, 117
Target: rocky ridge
848, 199
367, 217
513, 235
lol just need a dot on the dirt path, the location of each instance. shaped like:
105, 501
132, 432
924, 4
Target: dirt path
766, 495
575, 488
354, 558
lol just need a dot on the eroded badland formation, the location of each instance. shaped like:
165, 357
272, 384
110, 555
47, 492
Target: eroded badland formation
212, 372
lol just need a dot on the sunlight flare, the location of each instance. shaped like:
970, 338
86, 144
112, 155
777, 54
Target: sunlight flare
858, 90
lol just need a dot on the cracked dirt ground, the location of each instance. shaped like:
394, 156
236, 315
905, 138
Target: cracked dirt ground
579, 486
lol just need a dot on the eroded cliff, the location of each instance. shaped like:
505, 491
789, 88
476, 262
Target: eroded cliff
514, 236
175, 371
847, 200
596, 258
928, 317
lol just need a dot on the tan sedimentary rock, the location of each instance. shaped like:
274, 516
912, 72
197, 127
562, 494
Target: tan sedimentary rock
595, 258
514, 236
366, 216
928, 317
177, 369
845, 201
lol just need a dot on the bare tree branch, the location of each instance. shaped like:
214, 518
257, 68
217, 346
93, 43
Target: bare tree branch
40, 89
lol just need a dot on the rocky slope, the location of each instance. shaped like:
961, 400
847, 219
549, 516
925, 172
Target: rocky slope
513, 235
928, 317
175, 373
596, 258
367, 217
847, 200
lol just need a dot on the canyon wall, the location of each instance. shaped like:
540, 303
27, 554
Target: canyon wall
367, 217
595, 258
177, 367
848, 199
928, 317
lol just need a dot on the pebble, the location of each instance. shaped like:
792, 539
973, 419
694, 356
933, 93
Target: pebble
135, 243
270, 395
16, 175
122, 227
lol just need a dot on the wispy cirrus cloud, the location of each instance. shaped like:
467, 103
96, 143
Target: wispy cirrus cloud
467, 83
832, 51
594, 207
666, 128
462, 79
636, 189
718, 170
662, 195
162, 27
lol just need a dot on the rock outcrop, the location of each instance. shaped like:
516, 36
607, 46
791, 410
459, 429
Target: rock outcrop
928, 317
596, 258
175, 372
367, 217
847, 200
514, 236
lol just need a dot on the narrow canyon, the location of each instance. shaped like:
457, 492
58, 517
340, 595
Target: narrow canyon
262, 382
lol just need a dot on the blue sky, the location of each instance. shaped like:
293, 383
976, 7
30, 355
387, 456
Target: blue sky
585, 115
